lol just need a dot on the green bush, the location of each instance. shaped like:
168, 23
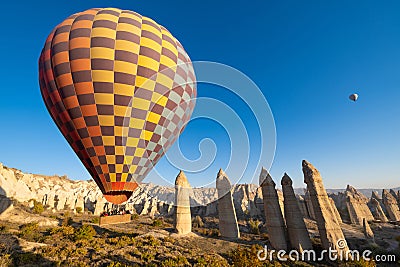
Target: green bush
244, 256
254, 226
135, 216
210, 260
175, 262
78, 210
85, 232
121, 242
95, 220
30, 232
62, 231
37, 207
147, 256
151, 241
157, 223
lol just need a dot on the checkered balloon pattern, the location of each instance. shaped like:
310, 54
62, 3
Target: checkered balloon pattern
120, 88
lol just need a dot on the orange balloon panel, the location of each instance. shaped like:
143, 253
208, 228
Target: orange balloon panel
120, 88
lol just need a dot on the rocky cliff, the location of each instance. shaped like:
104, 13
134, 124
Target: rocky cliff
59, 193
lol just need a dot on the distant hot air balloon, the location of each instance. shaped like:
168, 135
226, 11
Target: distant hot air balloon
120, 88
353, 97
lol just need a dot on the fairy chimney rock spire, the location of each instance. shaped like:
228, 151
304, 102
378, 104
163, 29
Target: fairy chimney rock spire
183, 219
228, 226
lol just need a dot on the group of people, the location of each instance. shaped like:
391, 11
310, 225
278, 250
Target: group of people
115, 212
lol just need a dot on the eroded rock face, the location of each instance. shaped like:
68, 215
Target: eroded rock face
99, 207
57, 193
377, 210
391, 205
303, 206
367, 230
273, 214
5, 204
309, 205
296, 228
335, 210
357, 206
228, 226
328, 226
183, 219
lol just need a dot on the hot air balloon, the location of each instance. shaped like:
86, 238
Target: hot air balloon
120, 88
353, 97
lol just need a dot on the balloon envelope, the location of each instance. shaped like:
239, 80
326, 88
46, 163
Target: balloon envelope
120, 88
353, 97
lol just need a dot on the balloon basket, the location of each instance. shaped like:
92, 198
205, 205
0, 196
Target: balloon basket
114, 219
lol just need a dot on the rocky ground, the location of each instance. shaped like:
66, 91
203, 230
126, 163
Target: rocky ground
53, 221
78, 240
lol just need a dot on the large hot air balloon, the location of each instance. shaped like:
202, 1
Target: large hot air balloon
120, 88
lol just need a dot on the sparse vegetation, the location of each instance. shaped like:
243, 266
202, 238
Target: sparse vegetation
244, 256
197, 222
30, 232
38, 207
175, 262
3, 229
208, 232
254, 226
67, 220
210, 260
85, 232
78, 210
141, 243
157, 223
359, 263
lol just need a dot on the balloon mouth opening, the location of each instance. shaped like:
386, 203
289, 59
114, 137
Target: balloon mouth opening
118, 197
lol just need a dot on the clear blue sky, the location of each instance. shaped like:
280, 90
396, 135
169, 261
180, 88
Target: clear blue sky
306, 56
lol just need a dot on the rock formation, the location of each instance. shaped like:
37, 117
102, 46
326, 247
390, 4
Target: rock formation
5, 204
377, 210
80, 203
273, 214
50, 203
303, 206
228, 226
99, 207
70, 202
183, 220
391, 205
357, 206
61, 200
153, 208
335, 210
367, 230
296, 228
328, 226
376, 195
309, 205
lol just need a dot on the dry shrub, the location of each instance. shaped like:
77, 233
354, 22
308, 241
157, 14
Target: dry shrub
85, 232
254, 226
197, 222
